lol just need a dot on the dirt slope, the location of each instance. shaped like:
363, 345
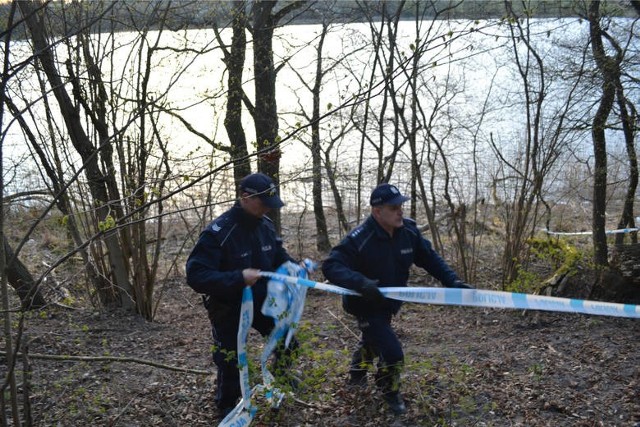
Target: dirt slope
465, 366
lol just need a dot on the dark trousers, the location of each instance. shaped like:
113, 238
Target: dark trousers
225, 337
378, 340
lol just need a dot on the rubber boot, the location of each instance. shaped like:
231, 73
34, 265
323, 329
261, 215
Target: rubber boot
388, 381
361, 361
282, 365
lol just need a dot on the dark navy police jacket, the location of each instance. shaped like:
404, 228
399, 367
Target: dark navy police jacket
232, 242
369, 251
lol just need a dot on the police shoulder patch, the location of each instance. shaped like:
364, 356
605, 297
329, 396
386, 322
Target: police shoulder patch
218, 224
356, 231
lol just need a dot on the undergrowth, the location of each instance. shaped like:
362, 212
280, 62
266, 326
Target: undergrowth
547, 256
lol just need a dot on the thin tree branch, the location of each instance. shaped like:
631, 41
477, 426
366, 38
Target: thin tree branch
66, 358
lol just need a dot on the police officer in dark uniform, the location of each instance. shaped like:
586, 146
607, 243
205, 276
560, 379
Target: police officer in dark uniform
379, 252
228, 256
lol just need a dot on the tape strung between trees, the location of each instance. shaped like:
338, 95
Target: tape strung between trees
589, 233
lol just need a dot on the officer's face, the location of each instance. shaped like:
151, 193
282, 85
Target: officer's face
253, 205
388, 216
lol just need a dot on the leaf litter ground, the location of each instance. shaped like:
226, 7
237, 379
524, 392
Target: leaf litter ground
464, 367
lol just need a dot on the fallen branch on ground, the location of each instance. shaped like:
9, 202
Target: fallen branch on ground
64, 358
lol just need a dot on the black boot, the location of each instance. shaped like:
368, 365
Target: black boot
388, 381
395, 402
282, 365
361, 361
223, 412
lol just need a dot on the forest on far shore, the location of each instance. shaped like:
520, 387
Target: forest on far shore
185, 14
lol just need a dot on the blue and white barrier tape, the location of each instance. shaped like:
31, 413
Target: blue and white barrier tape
291, 312
513, 300
244, 411
589, 233
309, 283
285, 304
482, 298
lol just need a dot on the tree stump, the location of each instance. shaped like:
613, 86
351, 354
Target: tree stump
620, 283
626, 260
578, 284
613, 287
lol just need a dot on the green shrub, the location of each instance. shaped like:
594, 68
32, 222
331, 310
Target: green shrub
560, 256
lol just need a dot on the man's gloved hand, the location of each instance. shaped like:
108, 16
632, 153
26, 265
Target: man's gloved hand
371, 293
461, 285
309, 265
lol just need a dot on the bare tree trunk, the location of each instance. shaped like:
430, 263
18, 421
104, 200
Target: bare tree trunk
120, 292
266, 112
265, 115
9, 380
540, 151
628, 125
331, 177
233, 118
629, 119
342, 217
322, 235
364, 128
380, 118
22, 281
607, 68
398, 108
55, 175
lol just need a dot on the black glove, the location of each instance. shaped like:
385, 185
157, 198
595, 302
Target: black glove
461, 285
370, 292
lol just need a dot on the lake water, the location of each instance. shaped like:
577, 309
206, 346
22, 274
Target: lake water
468, 86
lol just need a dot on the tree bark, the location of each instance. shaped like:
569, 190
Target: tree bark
266, 112
337, 197
606, 67
121, 291
59, 189
266, 109
628, 119
233, 118
8, 386
322, 236
22, 281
